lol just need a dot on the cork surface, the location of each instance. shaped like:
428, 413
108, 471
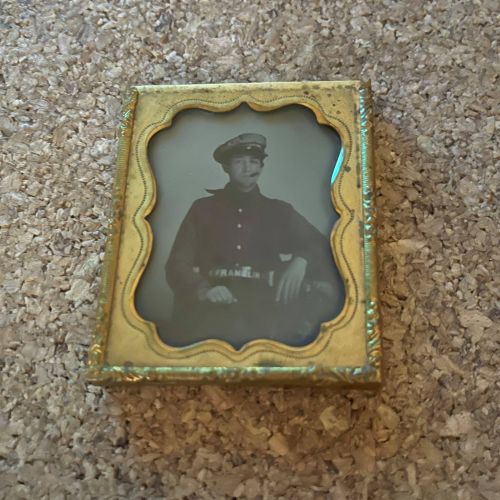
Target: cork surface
432, 432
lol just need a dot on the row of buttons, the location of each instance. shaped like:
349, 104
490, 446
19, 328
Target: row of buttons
239, 226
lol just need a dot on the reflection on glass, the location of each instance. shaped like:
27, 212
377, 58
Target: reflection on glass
338, 164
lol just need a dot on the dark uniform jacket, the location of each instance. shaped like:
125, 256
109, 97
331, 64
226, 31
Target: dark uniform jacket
243, 241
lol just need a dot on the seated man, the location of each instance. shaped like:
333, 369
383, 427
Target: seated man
244, 266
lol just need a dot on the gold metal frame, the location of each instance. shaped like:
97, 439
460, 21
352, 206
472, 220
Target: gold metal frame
346, 353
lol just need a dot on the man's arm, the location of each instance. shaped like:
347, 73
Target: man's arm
312, 245
181, 265
312, 257
181, 269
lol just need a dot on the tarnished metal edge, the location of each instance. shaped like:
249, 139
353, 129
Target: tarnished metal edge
372, 317
340, 377
97, 349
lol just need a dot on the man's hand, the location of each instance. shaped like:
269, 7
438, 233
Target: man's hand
218, 295
291, 281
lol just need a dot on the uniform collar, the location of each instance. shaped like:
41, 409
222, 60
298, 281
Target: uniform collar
234, 195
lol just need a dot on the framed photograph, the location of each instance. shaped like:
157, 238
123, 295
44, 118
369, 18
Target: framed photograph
241, 245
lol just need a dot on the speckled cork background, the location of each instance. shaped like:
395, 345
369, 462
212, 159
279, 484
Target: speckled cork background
431, 433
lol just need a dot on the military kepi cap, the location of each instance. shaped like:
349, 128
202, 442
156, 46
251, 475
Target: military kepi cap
251, 144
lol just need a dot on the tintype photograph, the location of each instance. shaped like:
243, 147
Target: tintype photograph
241, 228
241, 246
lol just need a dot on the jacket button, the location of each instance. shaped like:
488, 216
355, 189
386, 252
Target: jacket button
238, 247
240, 210
239, 226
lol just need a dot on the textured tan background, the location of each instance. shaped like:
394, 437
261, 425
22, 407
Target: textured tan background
432, 433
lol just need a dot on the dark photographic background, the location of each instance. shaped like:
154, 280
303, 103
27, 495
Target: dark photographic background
302, 156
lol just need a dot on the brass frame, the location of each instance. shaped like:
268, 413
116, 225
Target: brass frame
346, 353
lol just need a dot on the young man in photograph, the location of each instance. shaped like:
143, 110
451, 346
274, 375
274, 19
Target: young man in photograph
244, 266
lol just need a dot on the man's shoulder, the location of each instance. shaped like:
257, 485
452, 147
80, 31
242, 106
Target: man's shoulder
277, 203
217, 198
201, 203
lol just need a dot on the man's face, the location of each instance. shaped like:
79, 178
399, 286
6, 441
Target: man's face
244, 171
